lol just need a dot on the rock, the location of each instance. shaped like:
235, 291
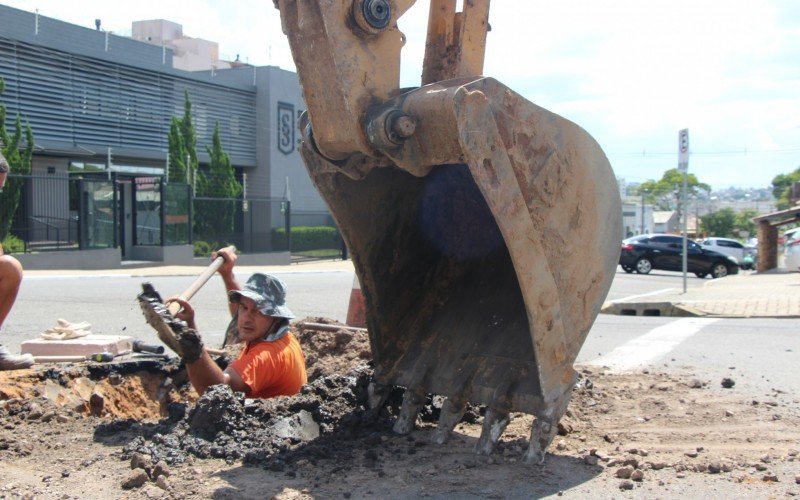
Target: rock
766, 459
65, 473
714, 468
34, 411
139, 461
657, 465
161, 469
643, 453
691, 453
62, 419
626, 485
760, 467
136, 479
631, 462
590, 460
624, 472
608, 439
728, 383
696, 383
728, 413
700, 468
161, 482
48, 416
561, 446
792, 453
726, 467
637, 475
96, 404
797, 479
770, 478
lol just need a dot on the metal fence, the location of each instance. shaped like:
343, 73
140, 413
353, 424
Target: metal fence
52, 212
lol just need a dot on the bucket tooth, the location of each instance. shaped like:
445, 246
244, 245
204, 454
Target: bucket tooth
542, 434
494, 423
413, 399
451, 413
376, 395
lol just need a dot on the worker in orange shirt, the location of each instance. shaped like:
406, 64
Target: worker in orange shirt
272, 362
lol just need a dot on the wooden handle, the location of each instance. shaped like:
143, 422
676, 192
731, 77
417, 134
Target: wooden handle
197, 284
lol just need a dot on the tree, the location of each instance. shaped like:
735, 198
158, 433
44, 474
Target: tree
215, 220
19, 162
176, 152
744, 221
182, 143
670, 185
781, 188
720, 223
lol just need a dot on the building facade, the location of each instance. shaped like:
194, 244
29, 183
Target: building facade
102, 103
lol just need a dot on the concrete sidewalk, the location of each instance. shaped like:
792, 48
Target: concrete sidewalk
299, 267
774, 294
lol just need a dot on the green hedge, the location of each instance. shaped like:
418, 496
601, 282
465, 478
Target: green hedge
307, 238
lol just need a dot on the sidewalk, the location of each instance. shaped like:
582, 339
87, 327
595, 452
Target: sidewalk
769, 295
300, 267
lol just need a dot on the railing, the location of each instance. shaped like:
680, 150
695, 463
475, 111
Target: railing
45, 233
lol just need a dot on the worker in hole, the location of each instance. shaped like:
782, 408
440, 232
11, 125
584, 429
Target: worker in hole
272, 362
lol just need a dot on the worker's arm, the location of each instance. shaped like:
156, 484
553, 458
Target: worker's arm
226, 271
203, 371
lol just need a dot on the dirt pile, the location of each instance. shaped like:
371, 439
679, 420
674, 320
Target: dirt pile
337, 349
223, 424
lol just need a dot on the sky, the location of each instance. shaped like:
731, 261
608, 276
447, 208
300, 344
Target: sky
630, 72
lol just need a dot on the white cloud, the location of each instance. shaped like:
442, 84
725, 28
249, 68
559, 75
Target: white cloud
631, 72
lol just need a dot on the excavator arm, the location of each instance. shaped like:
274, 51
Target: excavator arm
484, 229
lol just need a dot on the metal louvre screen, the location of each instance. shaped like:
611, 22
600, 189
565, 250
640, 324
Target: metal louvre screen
78, 100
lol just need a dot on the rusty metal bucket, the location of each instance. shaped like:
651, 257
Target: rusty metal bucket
485, 233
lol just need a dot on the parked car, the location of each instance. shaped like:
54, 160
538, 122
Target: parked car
645, 252
791, 253
726, 246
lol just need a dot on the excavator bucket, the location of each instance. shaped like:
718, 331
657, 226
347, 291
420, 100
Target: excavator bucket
484, 229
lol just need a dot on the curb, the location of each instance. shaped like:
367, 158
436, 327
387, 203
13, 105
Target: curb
651, 309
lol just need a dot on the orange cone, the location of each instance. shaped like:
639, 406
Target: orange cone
357, 310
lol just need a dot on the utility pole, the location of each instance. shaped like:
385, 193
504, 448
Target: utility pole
683, 166
642, 231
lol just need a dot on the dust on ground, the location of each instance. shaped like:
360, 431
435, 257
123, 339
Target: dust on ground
137, 430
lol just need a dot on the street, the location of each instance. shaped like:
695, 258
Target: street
760, 354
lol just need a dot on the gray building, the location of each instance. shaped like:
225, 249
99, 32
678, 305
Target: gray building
101, 102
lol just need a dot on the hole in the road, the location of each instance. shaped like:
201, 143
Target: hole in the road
627, 312
144, 392
651, 312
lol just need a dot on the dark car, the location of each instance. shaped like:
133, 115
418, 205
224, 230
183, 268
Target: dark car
646, 252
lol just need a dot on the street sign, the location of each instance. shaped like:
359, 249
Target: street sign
683, 150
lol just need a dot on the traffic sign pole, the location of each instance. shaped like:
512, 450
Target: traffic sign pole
683, 166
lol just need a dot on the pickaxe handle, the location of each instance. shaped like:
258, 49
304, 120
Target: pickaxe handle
197, 284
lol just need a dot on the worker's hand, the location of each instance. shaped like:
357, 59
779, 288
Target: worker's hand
229, 255
186, 313
191, 344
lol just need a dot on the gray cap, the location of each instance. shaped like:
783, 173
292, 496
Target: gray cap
268, 292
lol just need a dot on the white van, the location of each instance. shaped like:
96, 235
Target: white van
726, 246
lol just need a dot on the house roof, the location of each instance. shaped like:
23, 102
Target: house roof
781, 217
662, 216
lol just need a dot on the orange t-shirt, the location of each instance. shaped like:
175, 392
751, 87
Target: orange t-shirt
270, 369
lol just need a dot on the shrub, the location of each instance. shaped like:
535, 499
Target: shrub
12, 244
307, 238
202, 249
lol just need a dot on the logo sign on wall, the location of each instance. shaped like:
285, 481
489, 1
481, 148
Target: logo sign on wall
286, 128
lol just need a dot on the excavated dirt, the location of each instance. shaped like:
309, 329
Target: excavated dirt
137, 430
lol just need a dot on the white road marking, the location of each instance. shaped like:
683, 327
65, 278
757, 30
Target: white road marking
659, 341
657, 292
